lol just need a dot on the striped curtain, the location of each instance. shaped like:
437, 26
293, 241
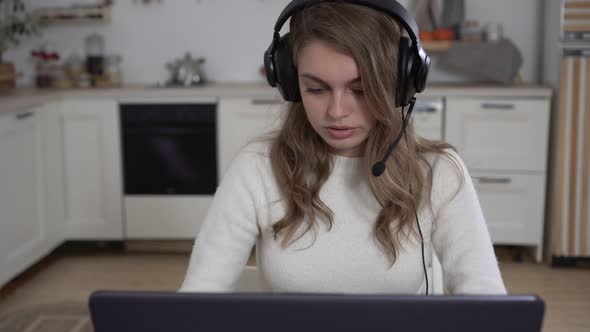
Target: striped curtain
575, 19
572, 229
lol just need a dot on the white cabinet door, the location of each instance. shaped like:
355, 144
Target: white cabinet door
427, 117
22, 228
92, 169
53, 173
504, 142
241, 120
512, 205
499, 134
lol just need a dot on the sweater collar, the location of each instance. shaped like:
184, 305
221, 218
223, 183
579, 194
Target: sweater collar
352, 166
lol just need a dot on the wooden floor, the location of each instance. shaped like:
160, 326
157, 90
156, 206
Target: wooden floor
72, 277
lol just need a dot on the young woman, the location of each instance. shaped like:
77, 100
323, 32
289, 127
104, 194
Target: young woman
307, 197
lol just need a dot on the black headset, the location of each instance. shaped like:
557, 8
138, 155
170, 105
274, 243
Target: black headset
413, 62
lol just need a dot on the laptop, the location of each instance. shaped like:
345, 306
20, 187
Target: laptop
130, 311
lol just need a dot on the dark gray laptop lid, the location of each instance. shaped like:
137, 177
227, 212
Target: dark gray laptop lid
126, 311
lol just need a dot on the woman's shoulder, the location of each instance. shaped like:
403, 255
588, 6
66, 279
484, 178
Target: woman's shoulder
449, 174
444, 160
259, 147
448, 169
258, 150
253, 155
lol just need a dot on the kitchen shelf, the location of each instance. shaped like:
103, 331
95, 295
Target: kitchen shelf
436, 46
441, 46
69, 15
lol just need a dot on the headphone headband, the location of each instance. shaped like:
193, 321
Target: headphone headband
390, 7
413, 62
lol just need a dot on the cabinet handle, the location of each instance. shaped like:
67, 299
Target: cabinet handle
24, 115
426, 110
266, 102
497, 106
488, 180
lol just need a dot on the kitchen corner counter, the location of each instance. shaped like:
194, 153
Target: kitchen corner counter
490, 90
22, 98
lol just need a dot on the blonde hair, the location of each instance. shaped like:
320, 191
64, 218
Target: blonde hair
372, 38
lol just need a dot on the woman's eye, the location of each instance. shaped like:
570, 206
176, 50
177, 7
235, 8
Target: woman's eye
359, 92
314, 91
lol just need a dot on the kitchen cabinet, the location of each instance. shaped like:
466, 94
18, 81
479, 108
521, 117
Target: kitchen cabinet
92, 168
53, 172
427, 117
500, 134
514, 205
31, 220
240, 120
504, 144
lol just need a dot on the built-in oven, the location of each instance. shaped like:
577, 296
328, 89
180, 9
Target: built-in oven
169, 148
170, 169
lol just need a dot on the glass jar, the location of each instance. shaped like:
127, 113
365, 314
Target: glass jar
74, 67
113, 69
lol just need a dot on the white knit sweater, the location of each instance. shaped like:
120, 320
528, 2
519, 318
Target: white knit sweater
346, 258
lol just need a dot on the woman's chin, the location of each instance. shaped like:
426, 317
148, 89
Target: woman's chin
345, 148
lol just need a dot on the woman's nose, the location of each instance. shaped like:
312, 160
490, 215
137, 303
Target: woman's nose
339, 106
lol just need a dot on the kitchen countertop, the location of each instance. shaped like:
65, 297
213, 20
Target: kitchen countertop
22, 98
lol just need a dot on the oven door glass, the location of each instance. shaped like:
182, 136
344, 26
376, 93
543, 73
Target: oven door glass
169, 152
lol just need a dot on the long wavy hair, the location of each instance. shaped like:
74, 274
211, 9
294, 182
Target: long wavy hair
301, 160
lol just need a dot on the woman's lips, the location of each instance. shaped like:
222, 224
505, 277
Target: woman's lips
341, 132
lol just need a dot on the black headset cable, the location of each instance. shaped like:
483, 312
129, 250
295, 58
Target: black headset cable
405, 120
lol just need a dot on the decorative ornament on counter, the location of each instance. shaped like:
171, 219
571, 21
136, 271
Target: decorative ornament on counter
187, 71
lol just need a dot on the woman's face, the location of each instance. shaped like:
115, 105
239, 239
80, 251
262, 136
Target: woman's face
332, 95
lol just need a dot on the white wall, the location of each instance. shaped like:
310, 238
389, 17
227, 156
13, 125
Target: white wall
233, 34
551, 43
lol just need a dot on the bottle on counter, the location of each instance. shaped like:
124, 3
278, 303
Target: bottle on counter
95, 57
74, 68
113, 69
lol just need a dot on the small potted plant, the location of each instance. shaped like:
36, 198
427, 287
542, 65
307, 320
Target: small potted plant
16, 23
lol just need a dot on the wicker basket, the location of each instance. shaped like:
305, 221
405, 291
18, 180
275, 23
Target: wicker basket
7, 76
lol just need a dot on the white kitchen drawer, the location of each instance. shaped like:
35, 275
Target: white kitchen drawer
427, 117
152, 217
513, 206
499, 134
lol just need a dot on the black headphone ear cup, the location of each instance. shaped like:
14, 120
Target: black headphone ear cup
269, 66
405, 74
422, 73
286, 72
